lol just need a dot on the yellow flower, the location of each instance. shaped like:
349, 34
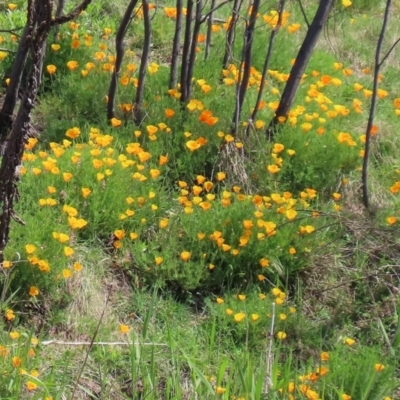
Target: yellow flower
324, 356
67, 273
124, 328
379, 367
68, 251
14, 335
264, 263
55, 47
31, 385
281, 335
9, 314
349, 341
391, 220
77, 266
241, 297
163, 223
86, 192
153, 68
239, 317
273, 168
254, 317
119, 234
115, 122
73, 133
291, 214
72, 65
67, 176
228, 311
221, 176
159, 260
12, 6
33, 291
220, 390
219, 300
7, 264
193, 145
307, 229
30, 248
346, 397
185, 255
51, 69
16, 362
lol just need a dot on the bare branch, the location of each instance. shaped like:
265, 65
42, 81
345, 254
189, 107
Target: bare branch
213, 8
143, 63
267, 60
173, 77
389, 52
304, 13
64, 343
246, 59
73, 14
209, 30
119, 46
378, 64
8, 51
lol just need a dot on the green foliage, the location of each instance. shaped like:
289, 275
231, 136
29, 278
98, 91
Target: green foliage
182, 204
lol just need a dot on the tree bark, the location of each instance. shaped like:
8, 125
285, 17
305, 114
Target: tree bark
38, 28
137, 111
173, 77
303, 56
246, 59
186, 51
230, 37
120, 51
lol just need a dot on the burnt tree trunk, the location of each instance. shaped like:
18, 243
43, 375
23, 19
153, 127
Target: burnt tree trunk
39, 23
192, 55
303, 56
186, 51
120, 51
246, 59
173, 77
11, 96
137, 111
230, 36
38, 28
267, 60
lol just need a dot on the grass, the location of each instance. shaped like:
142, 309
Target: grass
203, 265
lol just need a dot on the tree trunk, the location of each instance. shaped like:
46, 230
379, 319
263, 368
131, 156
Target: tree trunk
38, 28
11, 96
120, 50
303, 56
173, 77
137, 111
246, 60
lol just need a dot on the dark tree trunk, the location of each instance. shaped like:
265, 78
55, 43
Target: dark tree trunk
59, 11
267, 61
300, 64
11, 96
246, 58
137, 111
209, 30
186, 51
120, 50
192, 56
230, 36
38, 27
173, 78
